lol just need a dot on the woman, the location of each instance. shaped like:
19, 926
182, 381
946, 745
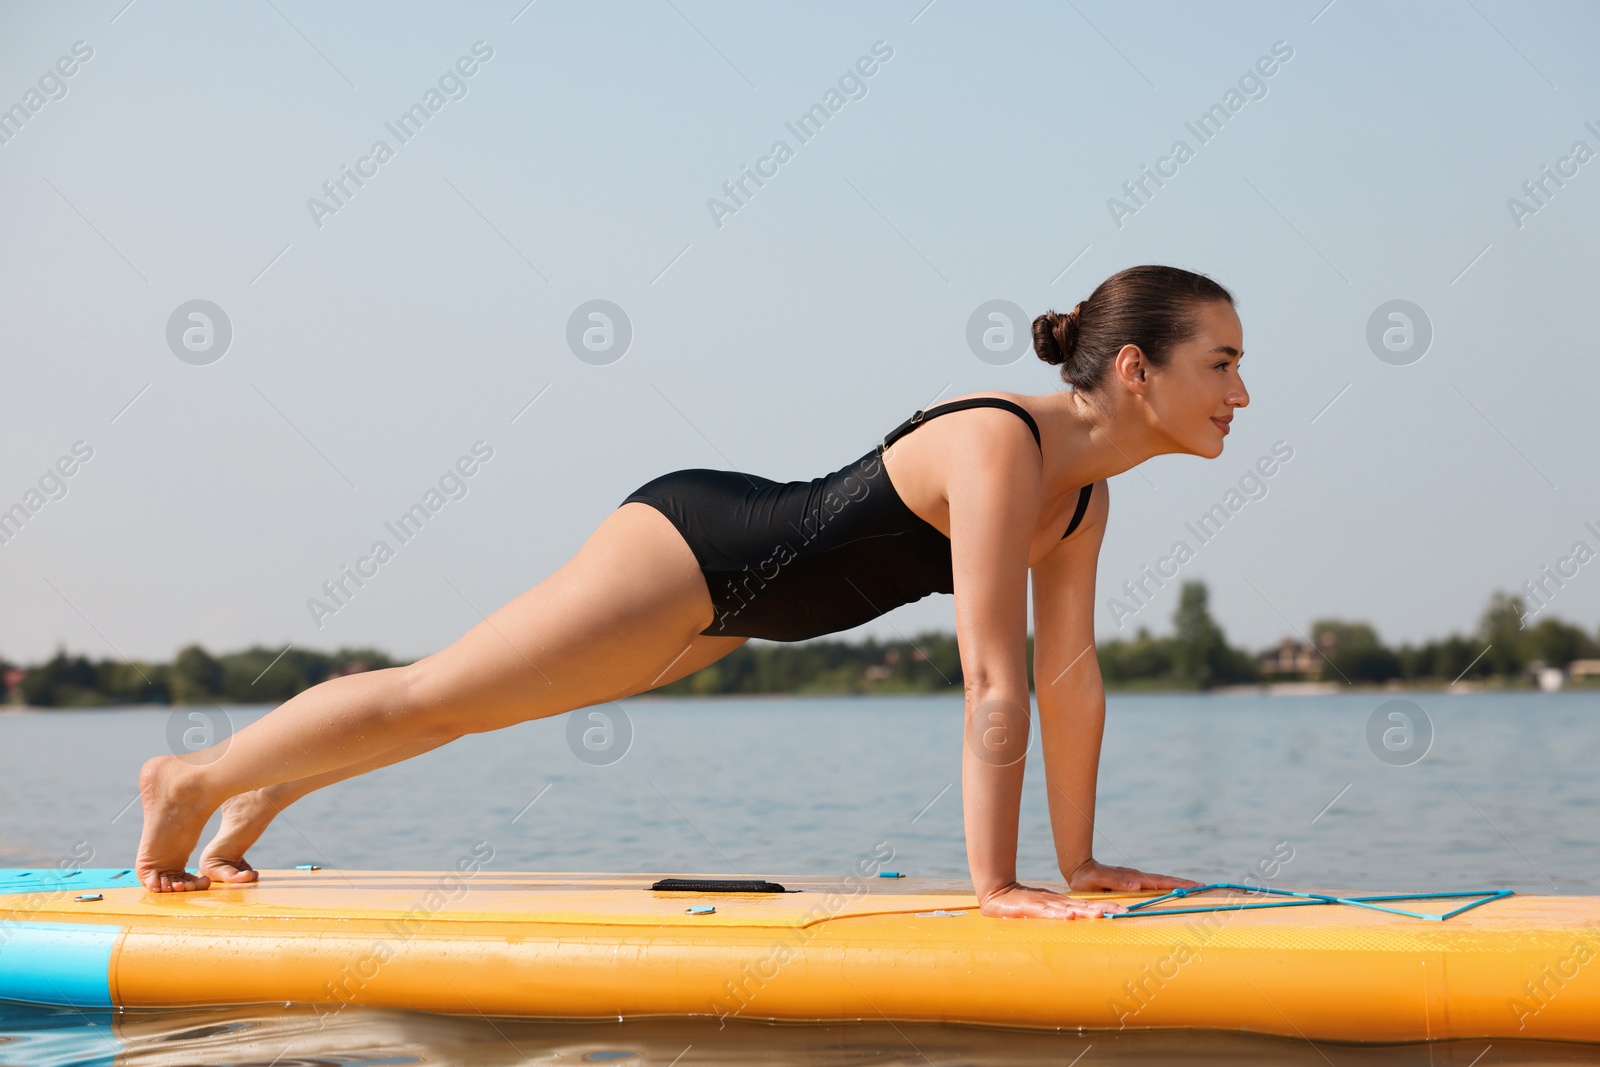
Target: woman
696, 562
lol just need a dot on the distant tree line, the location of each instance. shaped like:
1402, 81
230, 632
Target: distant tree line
254, 676
1195, 656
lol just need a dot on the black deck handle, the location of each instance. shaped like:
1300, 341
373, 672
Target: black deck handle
718, 885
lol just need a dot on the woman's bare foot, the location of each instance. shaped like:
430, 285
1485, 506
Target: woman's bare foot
244, 819
175, 814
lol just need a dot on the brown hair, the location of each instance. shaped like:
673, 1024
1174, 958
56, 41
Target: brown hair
1149, 306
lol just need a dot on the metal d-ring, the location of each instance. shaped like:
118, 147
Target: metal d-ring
906, 427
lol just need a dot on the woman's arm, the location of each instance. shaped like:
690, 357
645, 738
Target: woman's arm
1067, 683
1072, 720
994, 493
1072, 704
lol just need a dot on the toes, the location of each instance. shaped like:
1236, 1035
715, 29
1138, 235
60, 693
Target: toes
234, 871
174, 882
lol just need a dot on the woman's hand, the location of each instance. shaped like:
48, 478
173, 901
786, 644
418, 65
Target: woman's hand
1093, 876
1017, 901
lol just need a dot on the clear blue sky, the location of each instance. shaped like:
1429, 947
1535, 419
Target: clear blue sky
373, 344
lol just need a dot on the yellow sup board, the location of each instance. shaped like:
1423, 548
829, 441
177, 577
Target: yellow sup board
608, 945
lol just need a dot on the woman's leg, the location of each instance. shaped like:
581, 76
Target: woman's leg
622, 612
245, 817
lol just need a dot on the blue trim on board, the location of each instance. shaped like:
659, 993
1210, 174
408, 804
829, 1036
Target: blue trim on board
57, 963
57, 879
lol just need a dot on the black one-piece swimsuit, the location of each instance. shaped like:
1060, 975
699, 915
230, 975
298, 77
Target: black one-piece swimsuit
788, 561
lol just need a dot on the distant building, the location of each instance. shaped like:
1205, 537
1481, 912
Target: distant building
1584, 668
1546, 677
878, 672
1298, 659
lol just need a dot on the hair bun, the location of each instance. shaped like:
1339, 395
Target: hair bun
1055, 336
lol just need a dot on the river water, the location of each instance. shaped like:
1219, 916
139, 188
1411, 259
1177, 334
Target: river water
1462, 792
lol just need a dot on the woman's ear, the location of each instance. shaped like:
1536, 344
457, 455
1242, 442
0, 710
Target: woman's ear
1130, 364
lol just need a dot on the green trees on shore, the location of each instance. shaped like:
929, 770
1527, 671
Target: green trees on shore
1195, 656
1499, 650
254, 676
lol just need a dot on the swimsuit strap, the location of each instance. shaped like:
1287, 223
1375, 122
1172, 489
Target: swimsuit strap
921, 416
1083, 505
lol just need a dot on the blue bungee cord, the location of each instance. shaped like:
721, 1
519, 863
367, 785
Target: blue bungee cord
1144, 906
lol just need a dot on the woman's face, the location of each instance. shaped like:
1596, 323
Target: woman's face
1194, 395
